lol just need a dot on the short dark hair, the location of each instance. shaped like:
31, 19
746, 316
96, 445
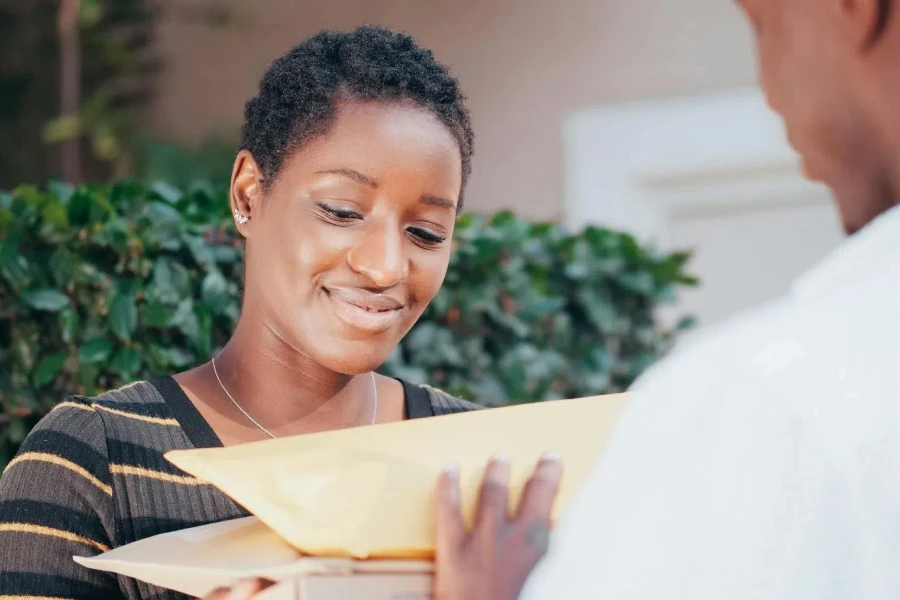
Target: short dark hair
299, 93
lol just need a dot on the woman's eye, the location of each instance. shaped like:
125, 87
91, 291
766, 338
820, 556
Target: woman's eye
426, 236
342, 215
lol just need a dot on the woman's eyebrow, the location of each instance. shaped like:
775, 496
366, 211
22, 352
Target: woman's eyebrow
437, 201
351, 174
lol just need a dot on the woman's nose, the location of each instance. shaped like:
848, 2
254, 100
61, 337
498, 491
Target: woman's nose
379, 256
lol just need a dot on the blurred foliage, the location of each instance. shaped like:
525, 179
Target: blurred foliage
118, 69
118, 75
181, 165
102, 285
529, 312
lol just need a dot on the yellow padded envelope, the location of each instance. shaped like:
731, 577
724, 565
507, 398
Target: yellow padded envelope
369, 492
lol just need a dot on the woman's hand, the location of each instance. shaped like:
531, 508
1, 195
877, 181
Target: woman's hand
493, 560
242, 591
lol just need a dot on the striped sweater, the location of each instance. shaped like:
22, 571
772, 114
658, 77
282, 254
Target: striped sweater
91, 476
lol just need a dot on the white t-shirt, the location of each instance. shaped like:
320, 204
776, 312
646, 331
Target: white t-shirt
761, 459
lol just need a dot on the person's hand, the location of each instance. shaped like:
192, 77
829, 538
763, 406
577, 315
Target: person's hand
245, 590
493, 560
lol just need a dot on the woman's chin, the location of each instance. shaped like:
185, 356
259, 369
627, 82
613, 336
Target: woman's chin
351, 358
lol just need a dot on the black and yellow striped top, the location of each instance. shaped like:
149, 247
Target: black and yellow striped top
91, 476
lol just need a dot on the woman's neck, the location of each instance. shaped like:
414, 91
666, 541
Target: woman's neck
282, 388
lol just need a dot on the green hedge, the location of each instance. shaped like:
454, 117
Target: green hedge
101, 285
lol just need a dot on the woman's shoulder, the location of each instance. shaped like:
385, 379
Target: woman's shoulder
142, 396
445, 404
85, 418
434, 402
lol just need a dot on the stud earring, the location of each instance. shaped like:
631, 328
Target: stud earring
241, 219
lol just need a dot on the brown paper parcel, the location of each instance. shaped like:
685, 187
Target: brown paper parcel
196, 561
369, 492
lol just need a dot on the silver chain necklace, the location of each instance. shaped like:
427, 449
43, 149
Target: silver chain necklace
266, 431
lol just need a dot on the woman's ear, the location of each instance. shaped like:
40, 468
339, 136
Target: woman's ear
246, 191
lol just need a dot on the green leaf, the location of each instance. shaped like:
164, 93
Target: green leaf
171, 282
68, 325
63, 266
165, 227
214, 292
48, 369
164, 360
7, 220
166, 191
14, 267
601, 311
542, 308
127, 194
576, 271
47, 299
686, 323
123, 316
88, 376
96, 350
61, 189
79, 208
201, 251
126, 362
639, 282
203, 340
185, 320
56, 215
156, 314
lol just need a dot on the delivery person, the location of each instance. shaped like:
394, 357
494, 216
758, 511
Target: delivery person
762, 460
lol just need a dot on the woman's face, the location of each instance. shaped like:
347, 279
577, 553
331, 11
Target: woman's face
352, 240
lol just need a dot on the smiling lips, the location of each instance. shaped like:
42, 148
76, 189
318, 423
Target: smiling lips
365, 310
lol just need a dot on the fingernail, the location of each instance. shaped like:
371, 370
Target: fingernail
498, 469
551, 457
452, 470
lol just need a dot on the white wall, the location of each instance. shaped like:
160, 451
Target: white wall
525, 65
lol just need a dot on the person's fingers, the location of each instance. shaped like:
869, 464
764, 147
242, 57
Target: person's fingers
541, 490
493, 501
450, 527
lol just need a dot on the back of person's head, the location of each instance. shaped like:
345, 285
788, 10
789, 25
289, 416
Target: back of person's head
831, 68
299, 95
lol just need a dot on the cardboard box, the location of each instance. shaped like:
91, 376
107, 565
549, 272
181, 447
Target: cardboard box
196, 561
361, 584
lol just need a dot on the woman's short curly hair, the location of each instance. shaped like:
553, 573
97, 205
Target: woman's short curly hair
298, 95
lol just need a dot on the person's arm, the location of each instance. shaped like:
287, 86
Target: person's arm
742, 479
56, 503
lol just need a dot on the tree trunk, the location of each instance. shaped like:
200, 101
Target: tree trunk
70, 85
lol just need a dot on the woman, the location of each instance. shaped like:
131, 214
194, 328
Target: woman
346, 189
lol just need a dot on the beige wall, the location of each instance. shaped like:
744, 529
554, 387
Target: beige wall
525, 64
